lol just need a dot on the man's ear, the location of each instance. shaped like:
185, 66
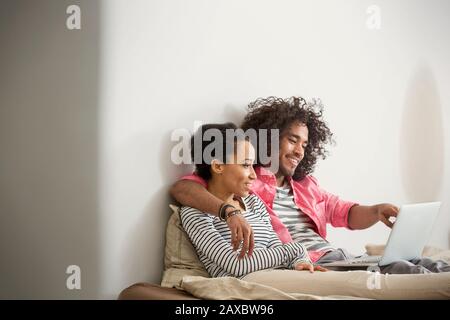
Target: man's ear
217, 166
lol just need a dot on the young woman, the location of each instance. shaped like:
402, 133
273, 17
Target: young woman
229, 178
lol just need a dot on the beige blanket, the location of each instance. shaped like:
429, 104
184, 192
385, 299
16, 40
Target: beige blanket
229, 288
349, 284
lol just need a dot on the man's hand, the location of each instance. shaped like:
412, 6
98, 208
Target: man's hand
310, 267
241, 231
362, 217
385, 211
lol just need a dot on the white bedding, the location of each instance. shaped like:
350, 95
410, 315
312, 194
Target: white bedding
330, 285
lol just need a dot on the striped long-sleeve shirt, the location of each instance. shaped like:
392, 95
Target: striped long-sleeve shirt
300, 226
211, 238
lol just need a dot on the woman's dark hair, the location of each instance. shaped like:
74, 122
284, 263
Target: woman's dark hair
277, 113
203, 166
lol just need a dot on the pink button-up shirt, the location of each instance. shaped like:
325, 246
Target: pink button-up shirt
321, 206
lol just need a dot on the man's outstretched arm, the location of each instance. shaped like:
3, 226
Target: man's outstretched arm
362, 217
193, 194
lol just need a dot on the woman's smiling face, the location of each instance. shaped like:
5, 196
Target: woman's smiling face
238, 174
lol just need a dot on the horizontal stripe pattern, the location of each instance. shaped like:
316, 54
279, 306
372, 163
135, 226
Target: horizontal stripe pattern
211, 238
299, 225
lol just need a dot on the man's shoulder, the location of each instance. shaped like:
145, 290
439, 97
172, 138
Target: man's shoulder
264, 175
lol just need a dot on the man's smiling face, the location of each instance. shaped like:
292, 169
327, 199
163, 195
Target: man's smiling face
293, 142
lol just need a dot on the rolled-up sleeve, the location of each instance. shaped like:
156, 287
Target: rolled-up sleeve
336, 209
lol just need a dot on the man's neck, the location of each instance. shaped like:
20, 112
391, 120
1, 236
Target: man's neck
280, 179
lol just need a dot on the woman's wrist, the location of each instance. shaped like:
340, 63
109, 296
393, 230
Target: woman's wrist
232, 213
227, 210
223, 213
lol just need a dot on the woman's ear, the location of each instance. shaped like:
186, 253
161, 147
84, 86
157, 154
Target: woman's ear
217, 167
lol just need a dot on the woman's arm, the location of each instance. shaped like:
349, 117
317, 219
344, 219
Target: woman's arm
209, 242
303, 256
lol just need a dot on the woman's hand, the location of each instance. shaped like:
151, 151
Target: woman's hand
304, 266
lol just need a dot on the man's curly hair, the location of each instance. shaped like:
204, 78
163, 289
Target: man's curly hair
277, 113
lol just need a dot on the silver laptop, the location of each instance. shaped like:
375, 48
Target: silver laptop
408, 237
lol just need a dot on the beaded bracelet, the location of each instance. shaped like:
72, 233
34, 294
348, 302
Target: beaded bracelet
233, 213
222, 211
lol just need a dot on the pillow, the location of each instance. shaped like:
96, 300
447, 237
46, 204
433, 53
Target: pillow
180, 257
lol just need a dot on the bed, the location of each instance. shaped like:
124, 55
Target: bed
185, 278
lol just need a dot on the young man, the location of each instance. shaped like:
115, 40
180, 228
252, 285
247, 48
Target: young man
299, 209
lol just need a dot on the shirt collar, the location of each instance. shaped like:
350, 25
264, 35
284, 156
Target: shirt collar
268, 177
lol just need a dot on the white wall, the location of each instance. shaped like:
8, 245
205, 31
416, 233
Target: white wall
168, 63
162, 65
